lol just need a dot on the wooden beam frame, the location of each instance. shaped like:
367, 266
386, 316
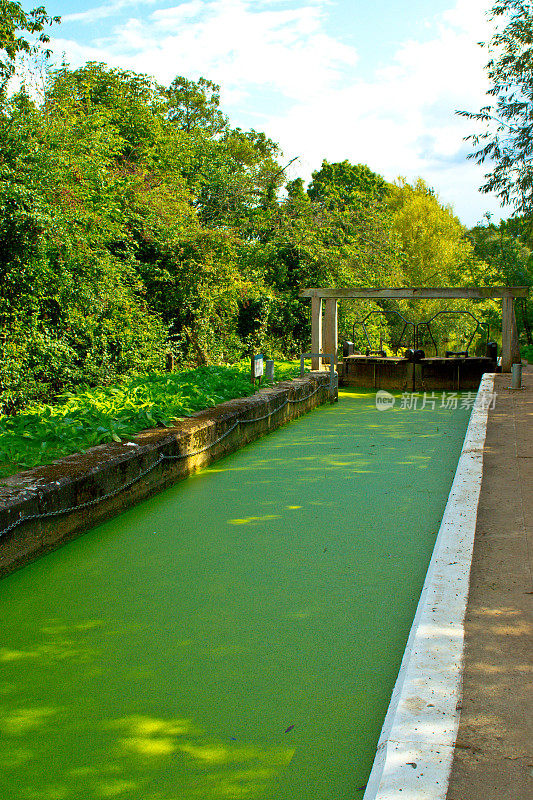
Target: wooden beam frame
329, 298
330, 328
510, 346
421, 293
316, 331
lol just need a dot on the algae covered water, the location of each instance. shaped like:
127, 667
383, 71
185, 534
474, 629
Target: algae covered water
239, 635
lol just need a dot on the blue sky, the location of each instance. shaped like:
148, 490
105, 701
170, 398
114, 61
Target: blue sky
375, 83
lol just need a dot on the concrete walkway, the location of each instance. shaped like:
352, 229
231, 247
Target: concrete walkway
494, 753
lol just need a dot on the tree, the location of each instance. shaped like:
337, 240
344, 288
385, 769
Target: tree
346, 183
15, 25
432, 238
337, 233
233, 176
507, 139
72, 304
507, 252
437, 252
195, 105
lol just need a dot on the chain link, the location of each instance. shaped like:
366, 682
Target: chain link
179, 456
202, 449
258, 419
301, 399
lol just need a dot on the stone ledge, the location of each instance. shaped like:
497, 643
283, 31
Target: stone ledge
84, 477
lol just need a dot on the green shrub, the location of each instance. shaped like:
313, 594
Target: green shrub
90, 417
527, 353
38, 365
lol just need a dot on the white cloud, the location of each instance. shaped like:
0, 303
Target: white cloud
401, 121
102, 12
232, 41
172, 16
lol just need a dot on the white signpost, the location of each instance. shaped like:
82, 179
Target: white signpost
257, 368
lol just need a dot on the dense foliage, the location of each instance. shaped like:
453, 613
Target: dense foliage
507, 123
135, 220
20, 33
94, 416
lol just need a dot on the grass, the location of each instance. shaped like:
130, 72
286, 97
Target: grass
78, 421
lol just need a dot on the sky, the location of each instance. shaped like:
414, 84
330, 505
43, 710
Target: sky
376, 83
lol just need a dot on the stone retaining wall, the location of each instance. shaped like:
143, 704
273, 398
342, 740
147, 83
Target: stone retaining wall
96, 481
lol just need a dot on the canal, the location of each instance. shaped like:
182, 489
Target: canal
239, 635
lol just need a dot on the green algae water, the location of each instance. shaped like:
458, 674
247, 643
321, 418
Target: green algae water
239, 635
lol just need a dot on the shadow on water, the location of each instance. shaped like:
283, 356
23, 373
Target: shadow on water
239, 635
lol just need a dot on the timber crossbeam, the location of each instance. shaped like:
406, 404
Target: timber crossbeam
324, 331
420, 293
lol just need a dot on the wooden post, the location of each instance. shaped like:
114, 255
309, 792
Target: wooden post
510, 347
515, 343
330, 329
316, 331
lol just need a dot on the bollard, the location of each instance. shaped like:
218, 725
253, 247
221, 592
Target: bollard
269, 370
516, 376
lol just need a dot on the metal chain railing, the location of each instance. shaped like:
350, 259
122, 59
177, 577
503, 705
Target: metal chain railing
86, 504
162, 457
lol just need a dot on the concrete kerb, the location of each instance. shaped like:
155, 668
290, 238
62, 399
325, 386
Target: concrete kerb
415, 749
50, 505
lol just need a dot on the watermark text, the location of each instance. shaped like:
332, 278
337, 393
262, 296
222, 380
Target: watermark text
421, 401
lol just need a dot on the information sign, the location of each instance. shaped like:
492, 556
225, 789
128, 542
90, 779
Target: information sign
257, 367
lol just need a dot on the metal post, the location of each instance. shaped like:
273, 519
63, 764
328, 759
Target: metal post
333, 382
269, 370
516, 376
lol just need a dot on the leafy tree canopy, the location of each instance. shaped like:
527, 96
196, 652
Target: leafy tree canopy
196, 106
345, 183
507, 250
437, 251
20, 32
135, 219
507, 138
